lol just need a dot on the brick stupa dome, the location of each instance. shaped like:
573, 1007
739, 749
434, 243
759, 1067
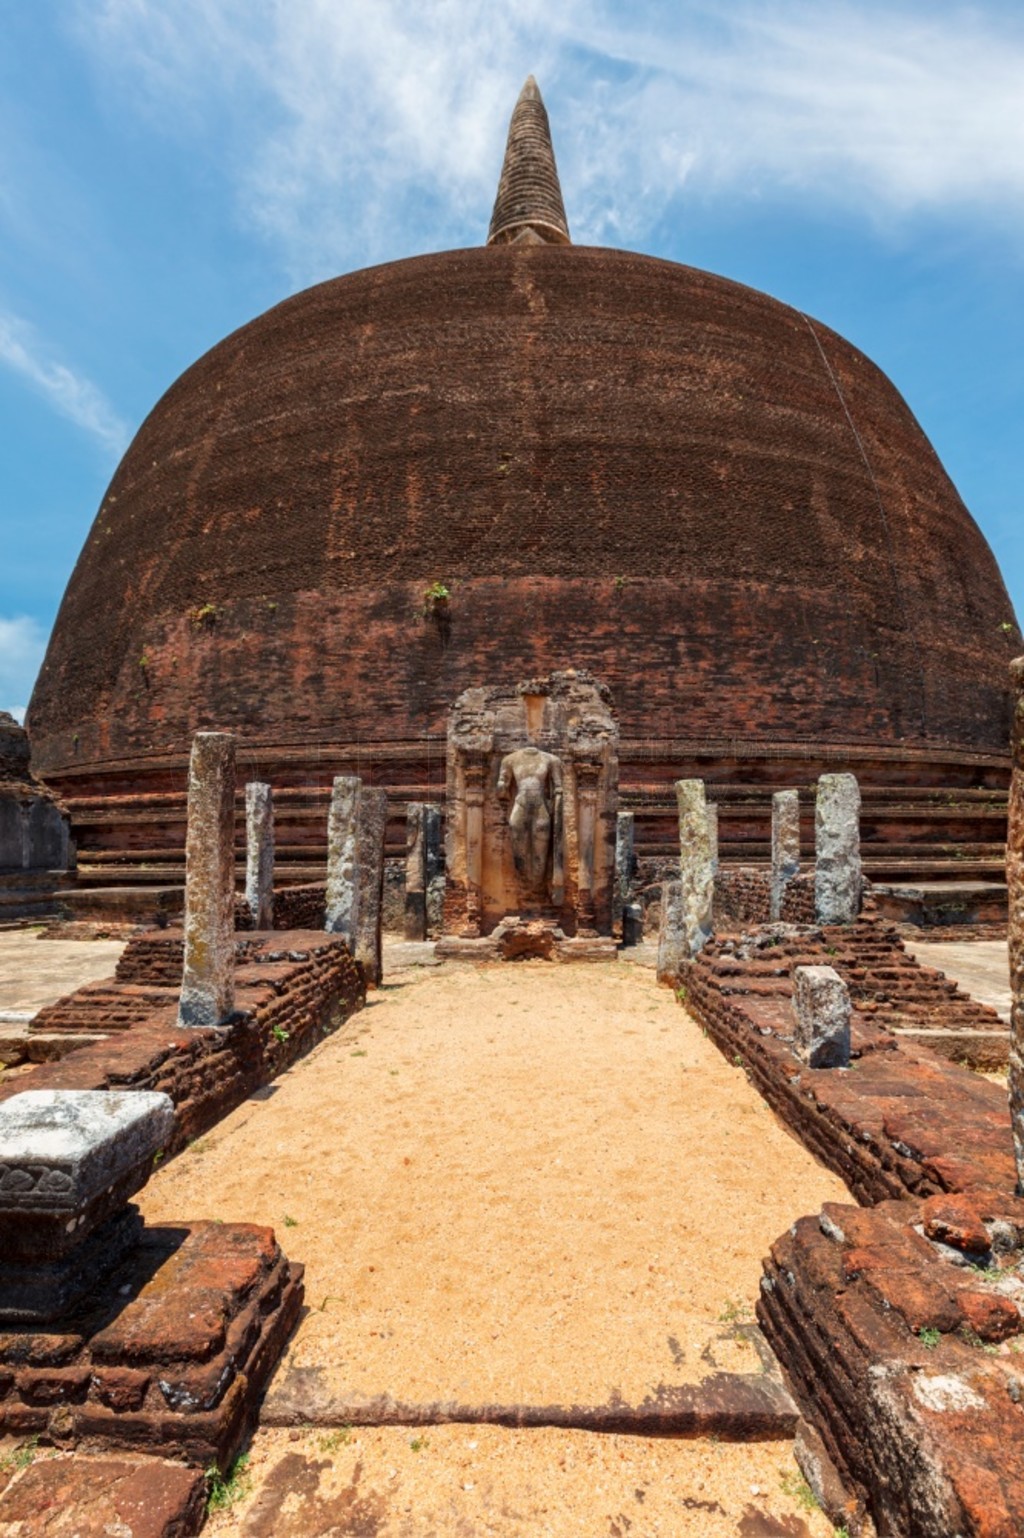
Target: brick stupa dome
713, 502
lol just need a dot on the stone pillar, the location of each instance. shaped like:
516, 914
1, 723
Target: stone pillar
259, 854
474, 845
625, 860
711, 812
341, 908
1015, 883
208, 979
372, 820
837, 870
434, 867
821, 1004
695, 869
785, 845
415, 927
672, 947
587, 775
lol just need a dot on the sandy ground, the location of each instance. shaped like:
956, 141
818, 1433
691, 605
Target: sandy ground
467, 1482
981, 967
520, 1184
35, 972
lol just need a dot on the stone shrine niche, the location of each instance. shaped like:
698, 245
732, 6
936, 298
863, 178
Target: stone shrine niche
532, 803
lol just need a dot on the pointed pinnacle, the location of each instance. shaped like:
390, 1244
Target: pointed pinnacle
529, 202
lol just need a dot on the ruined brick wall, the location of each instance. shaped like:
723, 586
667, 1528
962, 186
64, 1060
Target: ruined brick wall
614, 462
292, 990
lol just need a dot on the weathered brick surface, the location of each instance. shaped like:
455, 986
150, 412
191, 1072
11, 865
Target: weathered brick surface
453, 417
171, 1353
907, 1363
84, 1497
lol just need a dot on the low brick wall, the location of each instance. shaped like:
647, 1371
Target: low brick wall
292, 990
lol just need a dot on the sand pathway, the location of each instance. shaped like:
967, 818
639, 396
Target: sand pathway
531, 1184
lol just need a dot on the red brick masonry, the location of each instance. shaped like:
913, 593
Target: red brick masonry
171, 1356
899, 1326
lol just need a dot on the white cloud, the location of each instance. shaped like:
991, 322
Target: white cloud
345, 126
70, 394
22, 644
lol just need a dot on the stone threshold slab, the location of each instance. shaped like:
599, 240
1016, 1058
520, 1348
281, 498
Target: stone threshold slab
735, 1407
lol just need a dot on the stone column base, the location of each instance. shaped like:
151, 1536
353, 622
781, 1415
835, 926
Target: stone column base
171, 1353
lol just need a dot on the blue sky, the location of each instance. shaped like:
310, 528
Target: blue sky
170, 168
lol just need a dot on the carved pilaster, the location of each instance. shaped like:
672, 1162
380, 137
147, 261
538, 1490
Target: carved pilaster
473, 799
588, 774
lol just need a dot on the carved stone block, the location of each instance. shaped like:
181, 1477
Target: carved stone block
821, 1004
69, 1161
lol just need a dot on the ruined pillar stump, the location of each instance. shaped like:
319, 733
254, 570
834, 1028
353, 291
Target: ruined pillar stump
354, 902
208, 978
1015, 884
259, 854
341, 900
373, 819
673, 948
696, 872
821, 1005
785, 846
837, 871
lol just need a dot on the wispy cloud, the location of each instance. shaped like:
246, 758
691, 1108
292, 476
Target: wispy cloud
69, 393
22, 644
347, 126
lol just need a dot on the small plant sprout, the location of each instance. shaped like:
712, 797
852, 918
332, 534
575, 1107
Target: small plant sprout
223, 1490
335, 1439
800, 1491
280, 1034
929, 1337
419, 1444
734, 1311
289, 1221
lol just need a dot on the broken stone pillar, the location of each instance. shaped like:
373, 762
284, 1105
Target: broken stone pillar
1015, 884
673, 949
625, 861
433, 850
208, 979
259, 854
70, 1161
372, 820
341, 904
821, 1004
837, 870
696, 872
712, 816
354, 906
785, 846
416, 871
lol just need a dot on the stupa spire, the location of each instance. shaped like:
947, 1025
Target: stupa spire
529, 203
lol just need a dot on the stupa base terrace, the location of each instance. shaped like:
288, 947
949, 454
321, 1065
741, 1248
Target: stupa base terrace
929, 816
